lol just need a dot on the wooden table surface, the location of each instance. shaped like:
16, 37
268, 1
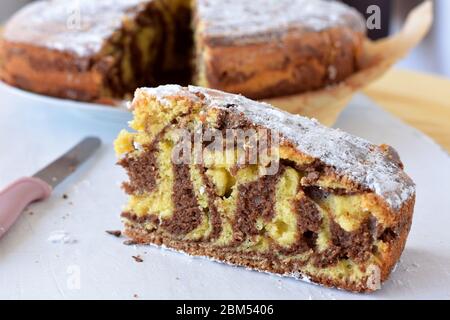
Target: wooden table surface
419, 99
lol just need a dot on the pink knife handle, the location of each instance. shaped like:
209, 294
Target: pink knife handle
16, 197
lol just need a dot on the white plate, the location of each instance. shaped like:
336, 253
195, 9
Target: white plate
100, 266
18, 97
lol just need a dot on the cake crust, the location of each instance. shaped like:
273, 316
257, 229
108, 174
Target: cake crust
50, 72
276, 48
46, 48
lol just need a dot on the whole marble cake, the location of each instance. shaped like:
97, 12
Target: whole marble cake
94, 50
315, 203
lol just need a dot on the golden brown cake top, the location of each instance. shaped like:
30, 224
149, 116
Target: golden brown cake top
82, 26
79, 27
355, 158
240, 21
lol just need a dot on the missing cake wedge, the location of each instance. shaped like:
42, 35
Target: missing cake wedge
218, 175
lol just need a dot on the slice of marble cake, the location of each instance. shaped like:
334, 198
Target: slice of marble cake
218, 175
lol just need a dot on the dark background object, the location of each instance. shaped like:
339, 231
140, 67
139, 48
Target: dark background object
385, 6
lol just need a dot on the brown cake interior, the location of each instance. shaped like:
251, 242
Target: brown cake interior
149, 49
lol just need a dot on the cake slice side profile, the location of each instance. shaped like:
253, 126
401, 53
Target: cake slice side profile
275, 48
218, 175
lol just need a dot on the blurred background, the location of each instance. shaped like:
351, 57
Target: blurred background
432, 56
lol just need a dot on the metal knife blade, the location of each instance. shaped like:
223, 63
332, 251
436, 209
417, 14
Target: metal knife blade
65, 165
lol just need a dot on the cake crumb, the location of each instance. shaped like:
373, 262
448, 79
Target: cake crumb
135, 296
130, 242
137, 259
374, 278
115, 233
65, 196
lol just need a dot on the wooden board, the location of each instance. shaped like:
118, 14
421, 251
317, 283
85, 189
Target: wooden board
419, 99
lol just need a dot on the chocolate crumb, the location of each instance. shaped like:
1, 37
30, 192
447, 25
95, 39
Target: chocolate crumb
130, 242
65, 196
115, 233
137, 259
135, 296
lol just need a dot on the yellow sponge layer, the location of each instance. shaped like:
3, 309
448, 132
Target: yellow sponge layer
283, 228
124, 143
160, 201
346, 210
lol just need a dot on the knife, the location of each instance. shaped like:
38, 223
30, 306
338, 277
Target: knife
17, 196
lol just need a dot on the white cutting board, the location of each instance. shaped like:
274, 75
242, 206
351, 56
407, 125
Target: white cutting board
100, 266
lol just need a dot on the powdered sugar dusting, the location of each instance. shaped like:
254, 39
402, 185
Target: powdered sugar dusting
61, 237
163, 93
352, 157
80, 27
256, 20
